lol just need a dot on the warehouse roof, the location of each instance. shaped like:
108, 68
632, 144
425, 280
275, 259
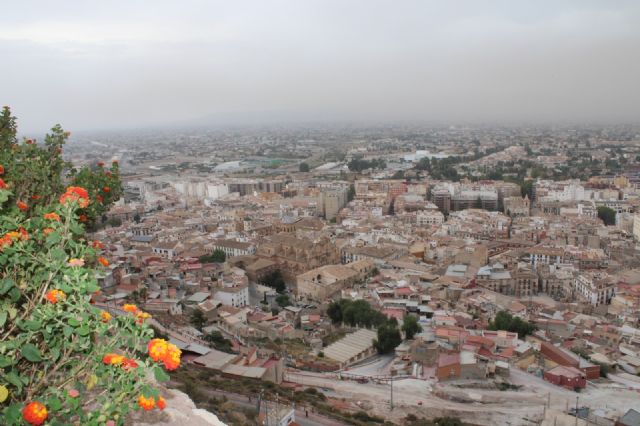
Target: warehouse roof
351, 345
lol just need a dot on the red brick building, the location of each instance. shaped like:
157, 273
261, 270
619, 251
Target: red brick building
567, 377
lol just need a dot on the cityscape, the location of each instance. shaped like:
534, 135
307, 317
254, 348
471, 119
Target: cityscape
395, 267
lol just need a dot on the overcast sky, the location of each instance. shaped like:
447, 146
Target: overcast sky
119, 64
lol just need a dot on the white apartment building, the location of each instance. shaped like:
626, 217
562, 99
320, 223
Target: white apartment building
596, 288
236, 296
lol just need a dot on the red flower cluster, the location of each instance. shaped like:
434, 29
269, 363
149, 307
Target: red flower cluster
35, 413
3, 185
148, 403
52, 216
11, 236
97, 245
54, 296
22, 206
168, 353
104, 262
75, 193
127, 364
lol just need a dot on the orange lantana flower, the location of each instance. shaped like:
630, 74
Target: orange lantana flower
99, 198
52, 216
3, 185
35, 197
146, 403
35, 413
75, 193
1, 169
82, 218
22, 206
104, 262
161, 403
106, 189
105, 316
142, 316
130, 308
113, 359
100, 163
24, 235
97, 245
47, 231
54, 296
172, 359
129, 364
157, 349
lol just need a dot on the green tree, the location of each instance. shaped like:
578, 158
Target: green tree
275, 280
410, 326
607, 215
388, 337
505, 321
198, 320
218, 341
304, 167
351, 193
283, 300
356, 313
218, 256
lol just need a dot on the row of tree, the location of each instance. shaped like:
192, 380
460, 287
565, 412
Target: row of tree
359, 164
359, 313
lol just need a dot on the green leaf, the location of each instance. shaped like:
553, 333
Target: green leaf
30, 325
6, 285
3, 318
14, 294
84, 330
160, 375
73, 322
13, 414
5, 361
31, 352
54, 404
58, 254
14, 379
65, 288
53, 238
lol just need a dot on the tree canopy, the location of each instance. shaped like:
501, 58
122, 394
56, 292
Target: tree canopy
275, 281
359, 164
410, 326
388, 336
218, 256
607, 215
304, 167
356, 313
505, 321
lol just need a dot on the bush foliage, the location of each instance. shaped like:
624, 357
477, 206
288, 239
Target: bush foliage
63, 360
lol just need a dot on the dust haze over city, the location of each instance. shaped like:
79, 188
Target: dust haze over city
320, 213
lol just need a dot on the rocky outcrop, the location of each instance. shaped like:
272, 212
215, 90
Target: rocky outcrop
180, 411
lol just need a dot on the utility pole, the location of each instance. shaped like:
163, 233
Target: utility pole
391, 393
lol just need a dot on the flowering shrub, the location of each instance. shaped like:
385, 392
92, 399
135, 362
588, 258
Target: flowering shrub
62, 360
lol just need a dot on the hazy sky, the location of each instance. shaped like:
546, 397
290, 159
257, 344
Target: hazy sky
116, 64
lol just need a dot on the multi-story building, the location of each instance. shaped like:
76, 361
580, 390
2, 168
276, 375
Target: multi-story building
233, 248
442, 199
596, 288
